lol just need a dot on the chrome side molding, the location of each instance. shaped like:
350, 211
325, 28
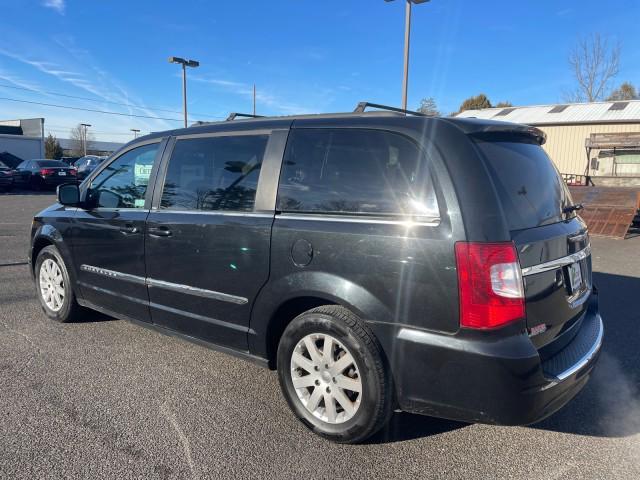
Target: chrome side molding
175, 287
406, 222
557, 263
127, 277
198, 292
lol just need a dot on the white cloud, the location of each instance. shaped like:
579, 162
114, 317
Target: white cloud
91, 79
263, 98
57, 5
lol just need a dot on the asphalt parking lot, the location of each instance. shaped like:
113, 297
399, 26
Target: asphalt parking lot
108, 399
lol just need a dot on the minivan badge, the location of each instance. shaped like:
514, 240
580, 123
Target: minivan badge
537, 330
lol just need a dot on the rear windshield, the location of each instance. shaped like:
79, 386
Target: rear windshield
529, 186
50, 163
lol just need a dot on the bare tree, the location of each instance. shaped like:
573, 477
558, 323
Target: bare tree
78, 137
594, 63
429, 107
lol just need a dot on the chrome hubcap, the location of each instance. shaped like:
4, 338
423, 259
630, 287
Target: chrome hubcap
326, 378
51, 285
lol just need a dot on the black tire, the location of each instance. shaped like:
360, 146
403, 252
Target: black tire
377, 389
70, 310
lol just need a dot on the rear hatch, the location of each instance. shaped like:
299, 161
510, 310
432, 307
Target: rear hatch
551, 240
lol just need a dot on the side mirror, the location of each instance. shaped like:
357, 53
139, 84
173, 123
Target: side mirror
68, 194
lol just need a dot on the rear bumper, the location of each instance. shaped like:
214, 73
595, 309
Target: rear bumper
498, 381
59, 180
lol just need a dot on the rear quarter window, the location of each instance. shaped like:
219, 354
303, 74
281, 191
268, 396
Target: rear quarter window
355, 171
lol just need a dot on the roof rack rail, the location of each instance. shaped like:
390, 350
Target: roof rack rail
234, 115
363, 105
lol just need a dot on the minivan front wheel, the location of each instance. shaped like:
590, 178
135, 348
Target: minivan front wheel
332, 373
53, 286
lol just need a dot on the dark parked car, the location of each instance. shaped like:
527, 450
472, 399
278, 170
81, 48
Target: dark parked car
86, 165
38, 174
378, 260
6, 177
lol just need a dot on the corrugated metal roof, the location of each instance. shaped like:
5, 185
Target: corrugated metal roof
597, 112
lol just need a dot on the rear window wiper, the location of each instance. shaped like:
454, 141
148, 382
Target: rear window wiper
572, 208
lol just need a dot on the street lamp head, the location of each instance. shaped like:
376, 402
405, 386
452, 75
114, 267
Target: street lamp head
417, 2
186, 63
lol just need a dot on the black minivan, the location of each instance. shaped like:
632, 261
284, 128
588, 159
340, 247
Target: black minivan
378, 260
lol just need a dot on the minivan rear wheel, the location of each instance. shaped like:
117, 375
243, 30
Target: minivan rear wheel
53, 286
332, 374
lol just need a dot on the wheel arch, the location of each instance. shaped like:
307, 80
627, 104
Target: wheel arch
283, 300
48, 235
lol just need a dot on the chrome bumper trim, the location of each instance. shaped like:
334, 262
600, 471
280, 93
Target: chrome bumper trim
587, 356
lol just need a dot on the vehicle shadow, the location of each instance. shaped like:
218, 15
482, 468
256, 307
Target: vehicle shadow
93, 316
406, 426
609, 406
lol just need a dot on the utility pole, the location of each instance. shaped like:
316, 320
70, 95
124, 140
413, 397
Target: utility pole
407, 42
135, 131
84, 137
185, 64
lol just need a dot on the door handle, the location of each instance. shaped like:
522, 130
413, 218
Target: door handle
159, 231
129, 229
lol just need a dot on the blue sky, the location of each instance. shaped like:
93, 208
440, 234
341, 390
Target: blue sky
304, 56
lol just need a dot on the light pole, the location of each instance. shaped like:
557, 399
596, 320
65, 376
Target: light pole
407, 37
135, 131
185, 64
84, 137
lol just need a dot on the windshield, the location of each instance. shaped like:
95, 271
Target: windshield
529, 186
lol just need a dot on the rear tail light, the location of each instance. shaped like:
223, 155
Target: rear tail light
47, 171
490, 284
73, 171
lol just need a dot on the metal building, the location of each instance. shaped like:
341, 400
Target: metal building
600, 140
23, 139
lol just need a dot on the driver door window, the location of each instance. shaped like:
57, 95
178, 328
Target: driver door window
123, 183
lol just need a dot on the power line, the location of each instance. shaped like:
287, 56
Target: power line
67, 130
158, 109
92, 110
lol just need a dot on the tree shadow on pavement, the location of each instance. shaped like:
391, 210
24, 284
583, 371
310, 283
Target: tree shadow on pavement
609, 406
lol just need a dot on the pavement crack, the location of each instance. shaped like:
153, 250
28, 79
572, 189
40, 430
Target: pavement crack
171, 418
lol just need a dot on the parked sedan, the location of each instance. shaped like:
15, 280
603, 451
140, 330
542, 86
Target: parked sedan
6, 177
37, 174
87, 164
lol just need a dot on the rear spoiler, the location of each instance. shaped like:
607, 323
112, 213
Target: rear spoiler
508, 132
492, 130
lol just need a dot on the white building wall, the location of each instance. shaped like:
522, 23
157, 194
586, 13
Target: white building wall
566, 143
26, 148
